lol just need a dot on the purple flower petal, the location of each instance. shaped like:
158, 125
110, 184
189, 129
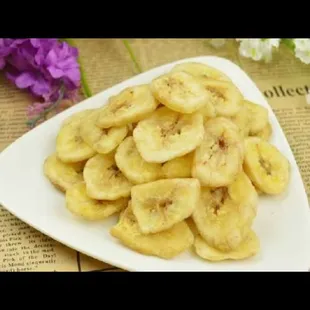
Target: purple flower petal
51, 57
17, 60
45, 45
25, 80
74, 75
40, 87
35, 42
55, 72
11, 73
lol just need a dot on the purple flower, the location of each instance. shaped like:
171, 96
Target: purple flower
41, 65
48, 68
62, 63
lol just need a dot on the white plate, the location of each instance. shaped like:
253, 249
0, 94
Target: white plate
282, 223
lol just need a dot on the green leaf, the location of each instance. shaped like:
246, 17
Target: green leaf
289, 43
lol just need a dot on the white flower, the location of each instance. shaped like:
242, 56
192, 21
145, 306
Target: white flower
217, 43
302, 50
258, 49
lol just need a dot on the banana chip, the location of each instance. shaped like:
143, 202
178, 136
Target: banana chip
70, 147
101, 140
129, 106
224, 215
168, 134
179, 167
258, 117
161, 204
266, 166
166, 244
248, 248
265, 133
133, 166
104, 181
224, 96
179, 91
80, 204
242, 121
63, 175
219, 158
201, 70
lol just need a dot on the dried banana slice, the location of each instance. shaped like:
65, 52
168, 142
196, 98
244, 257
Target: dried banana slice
242, 121
224, 96
133, 166
248, 248
218, 160
104, 181
167, 134
265, 133
166, 244
225, 215
129, 106
179, 91
179, 167
63, 175
70, 147
258, 116
80, 204
101, 140
266, 166
201, 70
161, 204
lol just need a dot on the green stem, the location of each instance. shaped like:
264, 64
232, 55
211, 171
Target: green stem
32, 122
86, 89
132, 56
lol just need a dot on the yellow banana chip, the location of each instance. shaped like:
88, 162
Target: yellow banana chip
101, 140
104, 181
161, 204
166, 244
167, 134
179, 167
63, 175
248, 248
266, 166
133, 166
224, 215
129, 106
80, 204
70, 147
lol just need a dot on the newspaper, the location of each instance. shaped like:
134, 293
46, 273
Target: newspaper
285, 82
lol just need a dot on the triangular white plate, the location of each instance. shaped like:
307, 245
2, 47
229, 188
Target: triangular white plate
282, 223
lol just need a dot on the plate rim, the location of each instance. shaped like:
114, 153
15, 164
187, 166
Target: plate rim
79, 107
